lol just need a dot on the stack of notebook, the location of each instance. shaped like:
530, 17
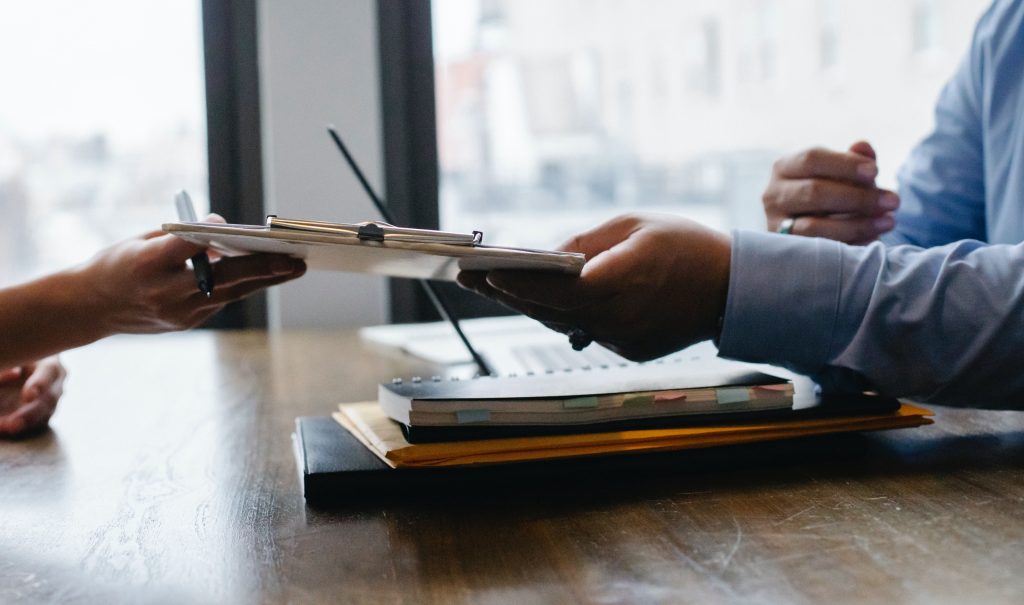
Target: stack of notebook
655, 407
604, 398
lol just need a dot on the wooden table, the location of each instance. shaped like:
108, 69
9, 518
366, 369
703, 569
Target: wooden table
169, 477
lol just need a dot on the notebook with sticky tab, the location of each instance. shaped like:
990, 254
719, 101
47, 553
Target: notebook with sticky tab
597, 398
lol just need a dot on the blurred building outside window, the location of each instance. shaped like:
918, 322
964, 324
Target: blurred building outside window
554, 116
927, 24
831, 30
102, 119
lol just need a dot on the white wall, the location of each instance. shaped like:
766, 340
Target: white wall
318, 65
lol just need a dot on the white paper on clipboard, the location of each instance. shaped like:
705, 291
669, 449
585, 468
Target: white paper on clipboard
331, 252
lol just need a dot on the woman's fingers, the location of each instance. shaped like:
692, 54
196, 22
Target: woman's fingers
47, 381
27, 418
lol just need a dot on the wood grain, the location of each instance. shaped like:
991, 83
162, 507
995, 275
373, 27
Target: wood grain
169, 477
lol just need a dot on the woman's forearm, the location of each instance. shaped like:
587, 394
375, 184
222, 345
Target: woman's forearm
48, 315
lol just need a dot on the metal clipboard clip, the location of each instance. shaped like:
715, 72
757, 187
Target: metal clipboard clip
377, 231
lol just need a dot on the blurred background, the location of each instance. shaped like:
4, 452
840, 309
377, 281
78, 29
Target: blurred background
588, 108
102, 119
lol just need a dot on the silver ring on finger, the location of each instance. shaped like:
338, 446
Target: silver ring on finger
786, 226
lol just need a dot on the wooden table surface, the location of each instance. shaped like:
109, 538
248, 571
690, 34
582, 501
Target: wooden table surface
169, 477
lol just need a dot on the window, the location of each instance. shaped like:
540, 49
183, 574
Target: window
702, 56
831, 26
577, 110
925, 24
102, 119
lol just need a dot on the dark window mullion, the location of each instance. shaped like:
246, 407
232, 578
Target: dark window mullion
233, 131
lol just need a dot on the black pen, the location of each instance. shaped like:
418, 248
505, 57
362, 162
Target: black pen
200, 262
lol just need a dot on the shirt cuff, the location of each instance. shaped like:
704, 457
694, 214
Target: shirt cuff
783, 300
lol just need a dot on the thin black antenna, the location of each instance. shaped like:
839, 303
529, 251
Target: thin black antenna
435, 297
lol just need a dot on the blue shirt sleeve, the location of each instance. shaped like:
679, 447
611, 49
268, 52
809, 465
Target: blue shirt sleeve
942, 183
943, 324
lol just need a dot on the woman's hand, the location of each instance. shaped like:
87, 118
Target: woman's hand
29, 395
143, 285
140, 285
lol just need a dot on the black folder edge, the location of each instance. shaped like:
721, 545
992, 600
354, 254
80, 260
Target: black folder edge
335, 467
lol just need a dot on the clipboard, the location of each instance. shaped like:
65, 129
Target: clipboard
374, 247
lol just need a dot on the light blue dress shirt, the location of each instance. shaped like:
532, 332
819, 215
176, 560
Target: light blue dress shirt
936, 313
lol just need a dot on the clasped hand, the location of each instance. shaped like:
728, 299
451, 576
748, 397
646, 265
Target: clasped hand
830, 194
652, 284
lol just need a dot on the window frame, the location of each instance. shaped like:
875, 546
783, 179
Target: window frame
233, 132
411, 171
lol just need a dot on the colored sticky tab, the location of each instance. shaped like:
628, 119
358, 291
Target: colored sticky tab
774, 387
470, 416
732, 395
580, 402
664, 396
635, 400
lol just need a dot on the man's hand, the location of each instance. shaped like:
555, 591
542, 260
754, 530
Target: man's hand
652, 284
29, 395
142, 285
831, 194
